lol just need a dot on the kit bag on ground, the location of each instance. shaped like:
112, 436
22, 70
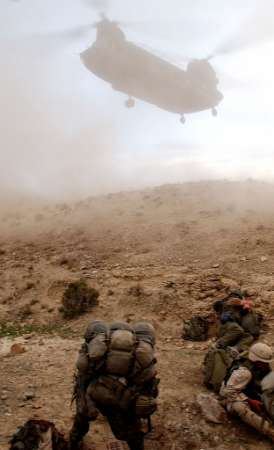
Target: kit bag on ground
215, 367
36, 434
195, 329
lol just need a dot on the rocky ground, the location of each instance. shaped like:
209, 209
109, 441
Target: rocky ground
163, 255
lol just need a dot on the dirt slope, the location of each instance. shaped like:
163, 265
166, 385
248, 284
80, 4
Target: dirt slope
161, 254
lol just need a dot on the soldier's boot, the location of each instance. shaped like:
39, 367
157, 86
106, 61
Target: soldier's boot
243, 410
137, 442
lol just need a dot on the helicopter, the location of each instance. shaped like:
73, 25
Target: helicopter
140, 74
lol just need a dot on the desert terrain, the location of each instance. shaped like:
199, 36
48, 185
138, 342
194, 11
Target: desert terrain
162, 254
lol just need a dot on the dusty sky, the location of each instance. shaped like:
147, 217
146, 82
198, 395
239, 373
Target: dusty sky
65, 132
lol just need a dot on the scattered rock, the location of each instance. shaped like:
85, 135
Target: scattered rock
24, 312
29, 336
29, 285
169, 284
17, 349
28, 395
211, 408
136, 291
263, 259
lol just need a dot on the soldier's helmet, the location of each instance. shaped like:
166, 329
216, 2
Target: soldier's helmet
119, 325
145, 331
94, 328
260, 352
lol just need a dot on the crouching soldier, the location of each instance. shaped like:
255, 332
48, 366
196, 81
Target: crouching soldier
116, 376
242, 388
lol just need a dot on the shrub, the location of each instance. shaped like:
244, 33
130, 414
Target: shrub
78, 298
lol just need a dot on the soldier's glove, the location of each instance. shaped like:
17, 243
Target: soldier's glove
255, 405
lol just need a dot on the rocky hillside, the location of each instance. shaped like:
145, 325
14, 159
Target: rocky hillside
162, 254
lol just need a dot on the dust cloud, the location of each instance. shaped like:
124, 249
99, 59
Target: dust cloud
43, 153
65, 134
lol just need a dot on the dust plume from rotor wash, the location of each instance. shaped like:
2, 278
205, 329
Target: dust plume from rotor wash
44, 161
65, 133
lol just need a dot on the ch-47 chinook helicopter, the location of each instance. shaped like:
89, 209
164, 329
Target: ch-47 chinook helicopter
139, 74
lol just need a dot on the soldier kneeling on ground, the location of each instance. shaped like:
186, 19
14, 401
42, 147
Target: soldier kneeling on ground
116, 376
247, 389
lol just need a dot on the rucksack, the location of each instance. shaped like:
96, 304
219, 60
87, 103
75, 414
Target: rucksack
34, 432
118, 359
120, 356
215, 366
109, 350
195, 329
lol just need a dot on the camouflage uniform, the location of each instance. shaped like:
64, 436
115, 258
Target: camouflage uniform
124, 425
243, 384
232, 334
124, 421
229, 334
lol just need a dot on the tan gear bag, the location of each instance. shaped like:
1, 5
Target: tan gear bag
120, 357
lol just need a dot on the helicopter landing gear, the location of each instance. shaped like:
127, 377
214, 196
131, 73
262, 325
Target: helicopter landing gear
130, 102
214, 112
182, 119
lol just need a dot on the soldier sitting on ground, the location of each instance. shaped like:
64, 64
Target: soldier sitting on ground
117, 377
239, 323
238, 327
241, 389
221, 354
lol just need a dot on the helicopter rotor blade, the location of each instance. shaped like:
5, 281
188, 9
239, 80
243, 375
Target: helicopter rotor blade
74, 33
97, 5
257, 30
51, 42
229, 82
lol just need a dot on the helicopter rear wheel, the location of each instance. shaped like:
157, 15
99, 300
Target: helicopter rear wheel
130, 102
182, 119
214, 112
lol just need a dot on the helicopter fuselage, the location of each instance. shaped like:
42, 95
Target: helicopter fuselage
140, 74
